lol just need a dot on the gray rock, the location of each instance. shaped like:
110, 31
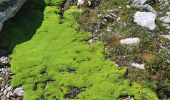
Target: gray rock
145, 19
4, 60
141, 4
164, 2
19, 91
10, 10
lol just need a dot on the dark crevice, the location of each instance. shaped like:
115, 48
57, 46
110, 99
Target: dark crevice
74, 91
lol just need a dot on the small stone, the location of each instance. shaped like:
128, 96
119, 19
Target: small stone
166, 36
168, 27
139, 2
109, 30
141, 66
145, 19
90, 41
9, 89
19, 91
165, 19
130, 41
128, 6
168, 13
4, 60
80, 2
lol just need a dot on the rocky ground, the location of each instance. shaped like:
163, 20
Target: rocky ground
136, 33
7, 92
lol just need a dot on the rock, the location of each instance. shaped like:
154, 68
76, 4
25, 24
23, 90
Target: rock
80, 2
145, 19
168, 13
8, 88
109, 30
130, 41
139, 2
165, 19
166, 36
8, 8
141, 66
164, 2
90, 41
4, 60
19, 91
128, 98
167, 26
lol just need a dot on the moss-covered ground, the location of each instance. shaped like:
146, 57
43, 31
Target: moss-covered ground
56, 63
114, 20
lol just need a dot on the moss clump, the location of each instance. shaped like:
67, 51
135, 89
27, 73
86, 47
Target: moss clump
58, 57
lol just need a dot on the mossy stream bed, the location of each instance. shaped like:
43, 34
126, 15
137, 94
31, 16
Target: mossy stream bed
52, 60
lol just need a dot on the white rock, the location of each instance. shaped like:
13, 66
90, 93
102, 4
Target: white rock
168, 13
168, 27
145, 19
90, 41
19, 91
166, 36
165, 19
4, 60
80, 2
130, 41
141, 66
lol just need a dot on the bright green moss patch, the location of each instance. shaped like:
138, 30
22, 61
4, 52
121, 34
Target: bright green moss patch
58, 57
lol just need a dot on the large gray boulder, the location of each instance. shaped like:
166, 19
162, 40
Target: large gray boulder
8, 8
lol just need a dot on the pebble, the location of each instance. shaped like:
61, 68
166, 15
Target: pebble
166, 36
141, 66
4, 60
130, 41
19, 91
165, 19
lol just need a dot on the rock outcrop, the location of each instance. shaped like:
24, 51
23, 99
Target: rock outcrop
8, 8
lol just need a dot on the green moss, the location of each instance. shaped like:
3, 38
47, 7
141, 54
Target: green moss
57, 57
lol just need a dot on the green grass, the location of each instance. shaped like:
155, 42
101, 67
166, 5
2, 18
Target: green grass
41, 64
